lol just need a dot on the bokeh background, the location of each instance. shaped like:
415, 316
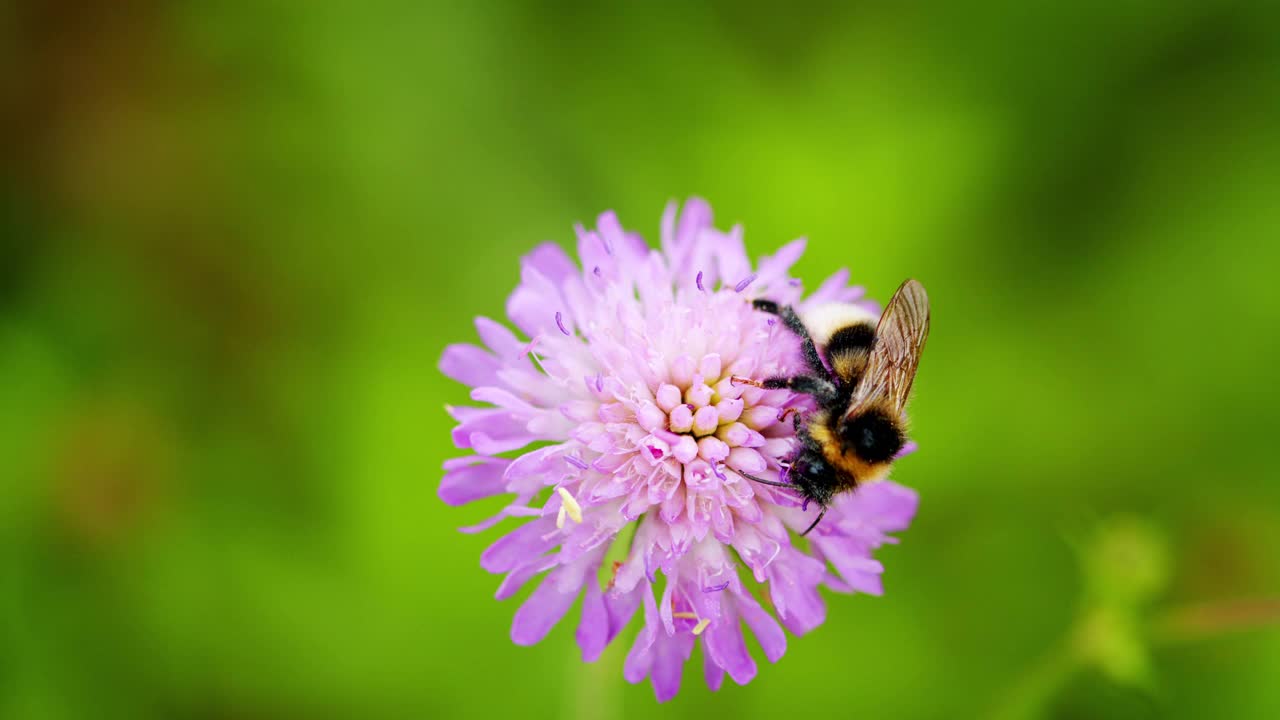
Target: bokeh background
235, 237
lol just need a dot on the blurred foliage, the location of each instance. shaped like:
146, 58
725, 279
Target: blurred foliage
234, 238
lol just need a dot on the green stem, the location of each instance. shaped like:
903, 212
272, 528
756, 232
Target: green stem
594, 690
1037, 685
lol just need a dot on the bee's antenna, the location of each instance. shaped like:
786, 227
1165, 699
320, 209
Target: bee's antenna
815, 522
762, 481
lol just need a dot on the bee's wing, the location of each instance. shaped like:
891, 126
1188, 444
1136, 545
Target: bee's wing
900, 337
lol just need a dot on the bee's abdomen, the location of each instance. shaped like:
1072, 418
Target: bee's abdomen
849, 348
875, 436
845, 332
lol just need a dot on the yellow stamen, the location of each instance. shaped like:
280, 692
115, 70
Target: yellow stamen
570, 505
685, 615
560, 519
702, 625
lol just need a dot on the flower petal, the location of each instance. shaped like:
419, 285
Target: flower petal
713, 673
854, 563
518, 546
516, 579
552, 262
723, 640
621, 607
671, 653
773, 269
472, 482
772, 640
500, 340
469, 365
542, 610
640, 657
886, 505
678, 243
593, 630
490, 431
793, 588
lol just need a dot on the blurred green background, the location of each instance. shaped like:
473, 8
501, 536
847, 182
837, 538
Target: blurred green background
235, 237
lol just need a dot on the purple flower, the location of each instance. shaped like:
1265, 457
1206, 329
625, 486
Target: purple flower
625, 385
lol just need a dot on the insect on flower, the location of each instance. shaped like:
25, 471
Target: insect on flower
861, 380
625, 377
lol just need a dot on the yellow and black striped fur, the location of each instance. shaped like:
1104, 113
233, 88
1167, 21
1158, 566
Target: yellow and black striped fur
860, 381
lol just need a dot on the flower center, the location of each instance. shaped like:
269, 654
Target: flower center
710, 414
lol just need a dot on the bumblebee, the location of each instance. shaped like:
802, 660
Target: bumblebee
860, 380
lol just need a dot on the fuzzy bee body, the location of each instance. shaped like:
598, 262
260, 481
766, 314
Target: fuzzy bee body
860, 372
846, 334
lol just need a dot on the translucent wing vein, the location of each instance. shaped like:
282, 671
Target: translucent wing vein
900, 338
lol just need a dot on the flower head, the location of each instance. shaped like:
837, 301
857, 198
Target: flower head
625, 384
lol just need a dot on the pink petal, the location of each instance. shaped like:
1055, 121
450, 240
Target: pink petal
775, 267
542, 610
593, 630
886, 505
772, 640
472, 482
516, 547
516, 579
552, 262
499, 339
469, 365
723, 640
854, 564
621, 607
640, 657
793, 588
830, 290
668, 667
713, 673
731, 257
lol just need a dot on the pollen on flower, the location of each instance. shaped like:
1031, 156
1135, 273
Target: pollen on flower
570, 505
633, 402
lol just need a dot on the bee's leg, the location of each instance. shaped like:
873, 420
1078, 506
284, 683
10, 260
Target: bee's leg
823, 390
815, 522
793, 322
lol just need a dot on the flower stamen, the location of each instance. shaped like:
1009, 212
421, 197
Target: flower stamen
570, 505
702, 625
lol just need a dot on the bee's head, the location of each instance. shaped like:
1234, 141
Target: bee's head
815, 478
873, 435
